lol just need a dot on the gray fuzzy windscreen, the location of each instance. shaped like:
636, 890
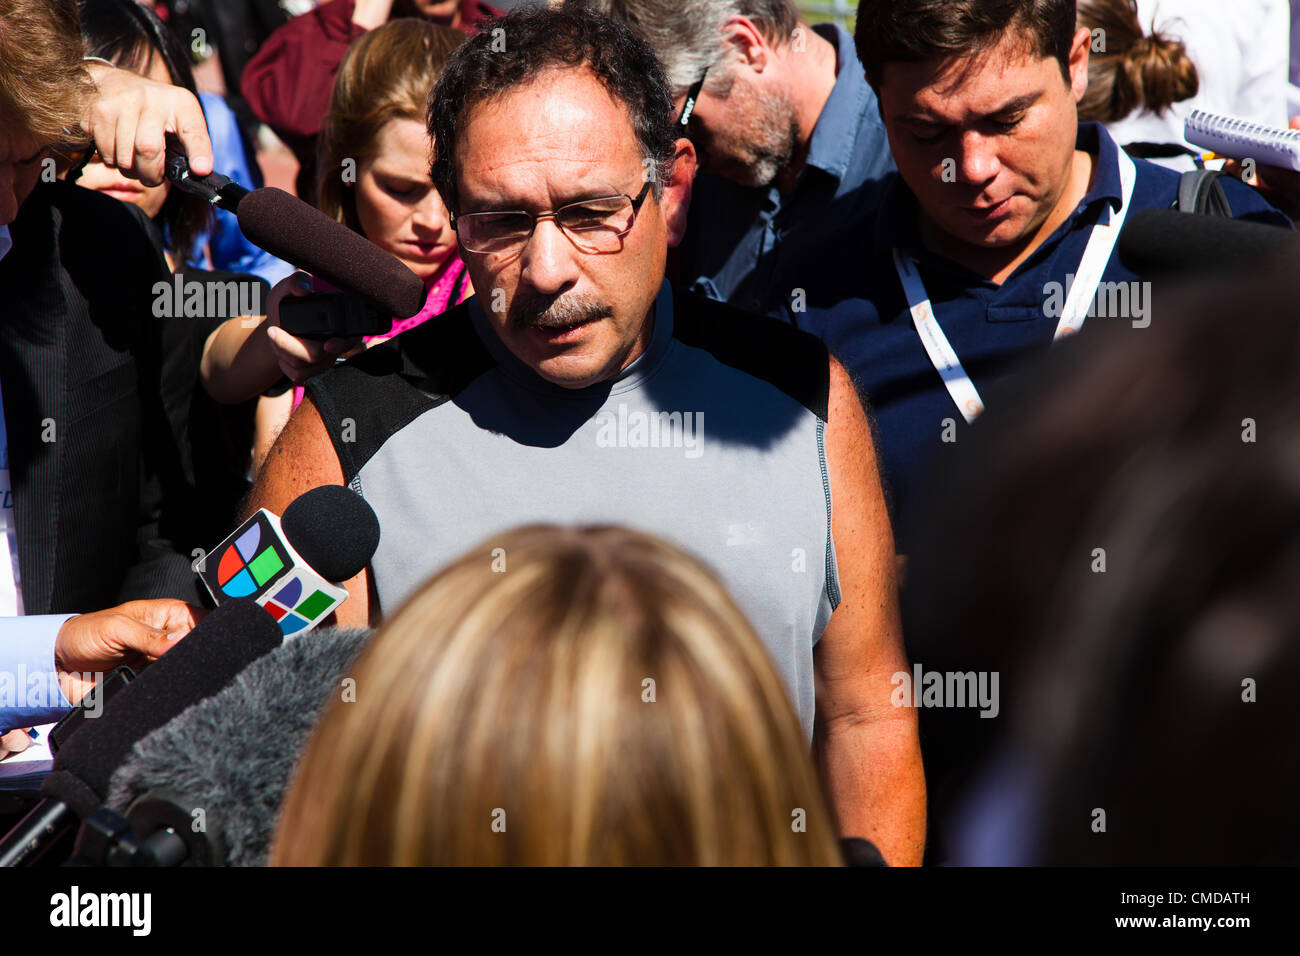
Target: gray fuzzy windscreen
234, 754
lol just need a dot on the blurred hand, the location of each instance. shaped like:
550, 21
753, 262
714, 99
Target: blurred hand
301, 359
14, 742
1281, 187
129, 120
133, 634
372, 13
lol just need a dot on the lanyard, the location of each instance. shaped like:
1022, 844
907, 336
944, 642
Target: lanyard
1101, 243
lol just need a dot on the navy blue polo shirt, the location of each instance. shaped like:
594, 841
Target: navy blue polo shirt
862, 316
752, 247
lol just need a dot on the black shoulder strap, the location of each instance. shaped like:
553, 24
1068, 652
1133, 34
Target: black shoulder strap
1200, 192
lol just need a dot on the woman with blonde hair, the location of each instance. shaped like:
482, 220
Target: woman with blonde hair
557, 696
374, 178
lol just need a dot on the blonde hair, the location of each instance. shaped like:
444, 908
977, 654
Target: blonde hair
595, 698
387, 74
44, 86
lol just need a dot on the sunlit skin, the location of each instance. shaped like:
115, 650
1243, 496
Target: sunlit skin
110, 182
560, 140
1003, 126
398, 208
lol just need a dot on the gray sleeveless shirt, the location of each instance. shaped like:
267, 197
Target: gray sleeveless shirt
712, 439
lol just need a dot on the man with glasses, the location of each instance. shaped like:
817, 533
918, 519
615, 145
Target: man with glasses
578, 387
791, 147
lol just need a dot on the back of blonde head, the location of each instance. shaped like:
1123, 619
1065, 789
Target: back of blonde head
556, 696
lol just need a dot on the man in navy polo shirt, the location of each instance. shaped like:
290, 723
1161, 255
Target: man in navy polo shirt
792, 154
996, 236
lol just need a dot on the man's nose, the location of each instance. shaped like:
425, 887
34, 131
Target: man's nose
549, 260
977, 162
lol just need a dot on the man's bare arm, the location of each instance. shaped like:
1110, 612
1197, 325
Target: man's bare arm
869, 751
303, 458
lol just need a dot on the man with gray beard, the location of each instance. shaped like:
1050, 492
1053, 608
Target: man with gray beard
790, 143
577, 387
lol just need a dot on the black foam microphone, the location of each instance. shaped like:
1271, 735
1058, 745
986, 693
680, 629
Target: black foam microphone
201, 664
266, 716
287, 227
334, 530
1166, 242
297, 232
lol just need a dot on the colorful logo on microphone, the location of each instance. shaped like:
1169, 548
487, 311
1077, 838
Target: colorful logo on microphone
256, 562
296, 607
253, 562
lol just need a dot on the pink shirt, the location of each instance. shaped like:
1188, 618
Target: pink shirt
449, 287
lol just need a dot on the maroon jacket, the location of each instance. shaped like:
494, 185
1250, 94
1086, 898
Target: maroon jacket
288, 82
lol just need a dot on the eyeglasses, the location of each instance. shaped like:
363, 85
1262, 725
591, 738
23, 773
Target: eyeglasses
688, 107
593, 225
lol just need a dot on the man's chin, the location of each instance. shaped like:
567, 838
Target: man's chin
1003, 233
572, 367
567, 373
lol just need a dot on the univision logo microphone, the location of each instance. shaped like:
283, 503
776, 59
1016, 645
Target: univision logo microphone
256, 561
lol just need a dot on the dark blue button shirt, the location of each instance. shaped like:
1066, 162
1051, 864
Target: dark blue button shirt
862, 316
754, 248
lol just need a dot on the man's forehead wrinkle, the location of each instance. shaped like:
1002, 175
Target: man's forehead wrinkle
538, 141
558, 179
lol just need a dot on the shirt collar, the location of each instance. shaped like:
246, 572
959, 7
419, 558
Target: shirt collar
1106, 184
896, 225
836, 132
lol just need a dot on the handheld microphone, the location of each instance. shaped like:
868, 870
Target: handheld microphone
297, 232
201, 664
286, 565
218, 190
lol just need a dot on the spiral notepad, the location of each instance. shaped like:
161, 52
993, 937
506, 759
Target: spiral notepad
1241, 139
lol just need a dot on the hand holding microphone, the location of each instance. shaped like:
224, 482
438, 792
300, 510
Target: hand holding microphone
304, 331
134, 634
301, 358
130, 117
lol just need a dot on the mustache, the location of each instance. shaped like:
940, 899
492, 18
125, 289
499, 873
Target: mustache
549, 312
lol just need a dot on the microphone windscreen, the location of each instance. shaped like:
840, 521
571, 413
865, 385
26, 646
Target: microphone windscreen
202, 663
287, 227
333, 529
265, 717
1158, 242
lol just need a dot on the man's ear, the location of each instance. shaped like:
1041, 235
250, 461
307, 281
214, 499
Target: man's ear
1079, 50
745, 42
677, 191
